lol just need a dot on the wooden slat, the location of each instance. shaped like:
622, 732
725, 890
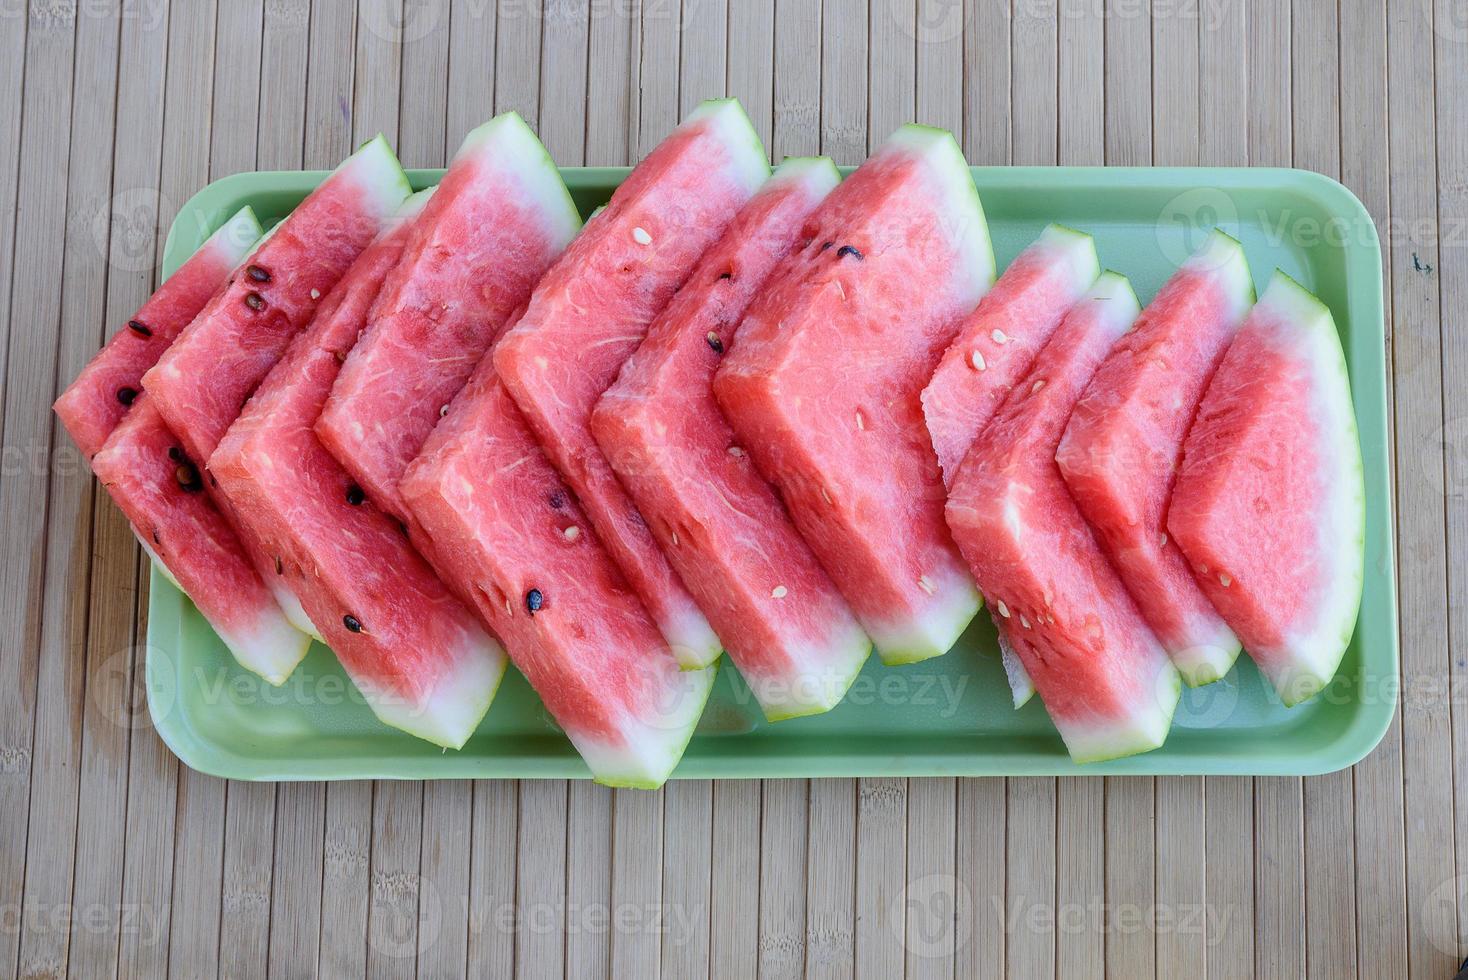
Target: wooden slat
893, 59
30, 364
797, 66
1034, 94
980, 934
444, 887
637, 860
471, 68
564, 46
750, 63
346, 880
734, 945
932, 879
703, 48
423, 99
881, 876
830, 889
50, 843
986, 78
285, 33
782, 861
1417, 355
688, 819
540, 884
611, 100
589, 877
493, 879
395, 885
938, 31
1030, 882
1381, 903
1082, 112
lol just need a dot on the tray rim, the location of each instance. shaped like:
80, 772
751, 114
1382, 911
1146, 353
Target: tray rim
1368, 725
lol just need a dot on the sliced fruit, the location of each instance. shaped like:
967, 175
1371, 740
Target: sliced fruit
200, 383
721, 526
1105, 680
1269, 502
500, 216
999, 338
593, 308
421, 659
508, 533
822, 385
1121, 449
101, 394
161, 491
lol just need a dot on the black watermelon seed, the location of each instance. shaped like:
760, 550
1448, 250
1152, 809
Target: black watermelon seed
355, 496
726, 275
213, 482
126, 394
157, 540
845, 250
352, 623
534, 601
826, 245
140, 328
257, 274
556, 499
715, 343
279, 566
187, 477
175, 454
254, 301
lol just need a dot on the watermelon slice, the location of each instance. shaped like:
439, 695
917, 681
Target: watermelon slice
421, 659
792, 635
1120, 452
999, 339
593, 308
161, 492
509, 534
823, 385
201, 382
1269, 502
99, 397
1105, 680
500, 216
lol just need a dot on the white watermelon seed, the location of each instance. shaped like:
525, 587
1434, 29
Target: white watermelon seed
1023, 621
1162, 541
926, 584
641, 237
999, 336
675, 539
825, 496
1224, 580
779, 592
315, 294
443, 410
736, 452
1037, 386
1003, 609
861, 423
572, 533
979, 362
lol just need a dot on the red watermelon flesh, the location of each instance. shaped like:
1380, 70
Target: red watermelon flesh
721, 526
421, 659
508, 533
594, 307
202, 380
1121, 449
1268, 506
145, 469
499, 218
1105, 680
998, 340
824, 380
99, 397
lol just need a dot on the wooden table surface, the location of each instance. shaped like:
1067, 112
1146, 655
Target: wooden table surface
115, 858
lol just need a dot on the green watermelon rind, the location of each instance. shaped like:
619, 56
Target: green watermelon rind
645, 777
1317, 325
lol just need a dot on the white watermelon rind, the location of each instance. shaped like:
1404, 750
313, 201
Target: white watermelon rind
1343, 532
518, 149
748, 159
963, 217
458, 703
819, 173
378, 174
1021, 685
234, 239
814, 692
661, 742
1077, 248
1145, 730
1222, 256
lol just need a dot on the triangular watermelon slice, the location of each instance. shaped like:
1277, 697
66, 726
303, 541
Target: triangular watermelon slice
201, 383
93, 405
500, 217
144, 468
1121, 449
593, 308
1105, 680
823, 385
421, 659
1269, 502
508, 533
999, 339
792, 635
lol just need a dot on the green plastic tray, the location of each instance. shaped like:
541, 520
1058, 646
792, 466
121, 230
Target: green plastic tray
949, 716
